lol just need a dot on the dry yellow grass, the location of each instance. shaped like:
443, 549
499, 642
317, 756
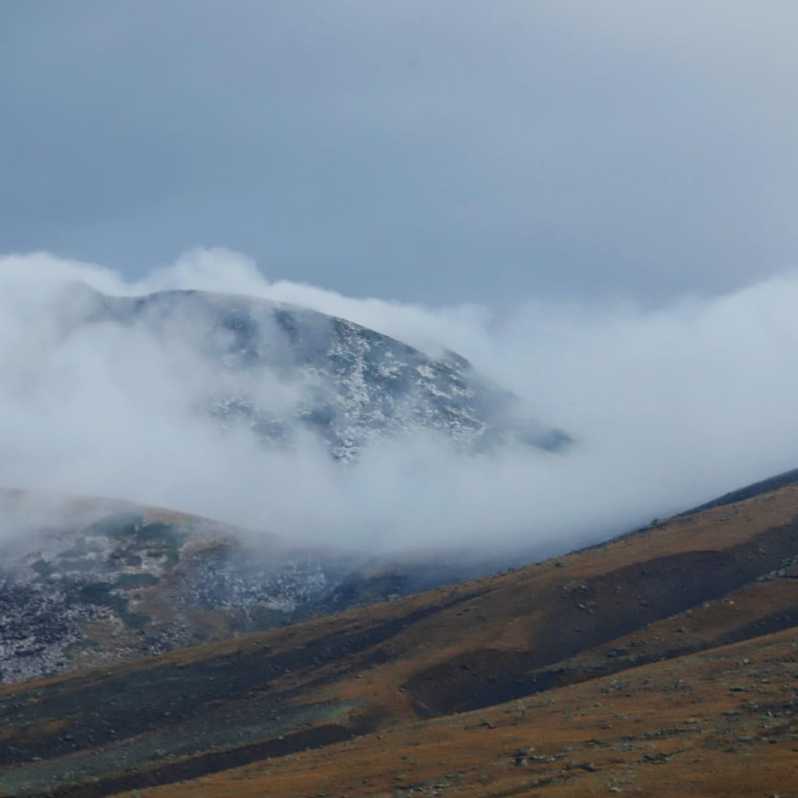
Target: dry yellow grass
662, 728
720, 723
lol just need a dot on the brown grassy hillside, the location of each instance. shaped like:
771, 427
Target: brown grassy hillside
625, 653
719, 723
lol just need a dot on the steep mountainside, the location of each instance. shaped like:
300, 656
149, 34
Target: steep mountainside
673, 649
86, 581
280, 370
98, 581
93, 581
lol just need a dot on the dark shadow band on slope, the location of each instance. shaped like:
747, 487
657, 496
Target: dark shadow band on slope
214, 762
595, 612
608, 660
58, 733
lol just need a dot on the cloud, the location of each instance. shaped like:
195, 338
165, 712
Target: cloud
668, 408
439, 151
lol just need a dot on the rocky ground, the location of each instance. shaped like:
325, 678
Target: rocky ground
135, 582
662, 663
113, 581
723, 723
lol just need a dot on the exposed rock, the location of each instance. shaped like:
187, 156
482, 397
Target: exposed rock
110, 581
338, 380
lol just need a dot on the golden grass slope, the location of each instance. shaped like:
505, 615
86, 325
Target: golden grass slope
616, 664
719, 723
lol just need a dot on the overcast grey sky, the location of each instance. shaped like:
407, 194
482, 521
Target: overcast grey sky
439, 151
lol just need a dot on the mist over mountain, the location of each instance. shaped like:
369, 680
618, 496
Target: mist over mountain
93, 581
280, 370
206, 388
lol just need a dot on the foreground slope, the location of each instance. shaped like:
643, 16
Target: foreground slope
719, 723
618, 637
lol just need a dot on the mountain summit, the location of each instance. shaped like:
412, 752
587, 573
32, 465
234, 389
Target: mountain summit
282, 370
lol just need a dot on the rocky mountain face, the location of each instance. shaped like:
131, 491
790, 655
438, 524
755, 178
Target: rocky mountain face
86, 582
282, 371
94, 582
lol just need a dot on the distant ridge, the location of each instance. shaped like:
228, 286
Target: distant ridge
748, 492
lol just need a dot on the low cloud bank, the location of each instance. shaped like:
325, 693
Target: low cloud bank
667, 407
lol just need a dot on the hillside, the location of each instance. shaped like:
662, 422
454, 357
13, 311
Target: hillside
672, 647
87, 582
90, 581
714, 724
